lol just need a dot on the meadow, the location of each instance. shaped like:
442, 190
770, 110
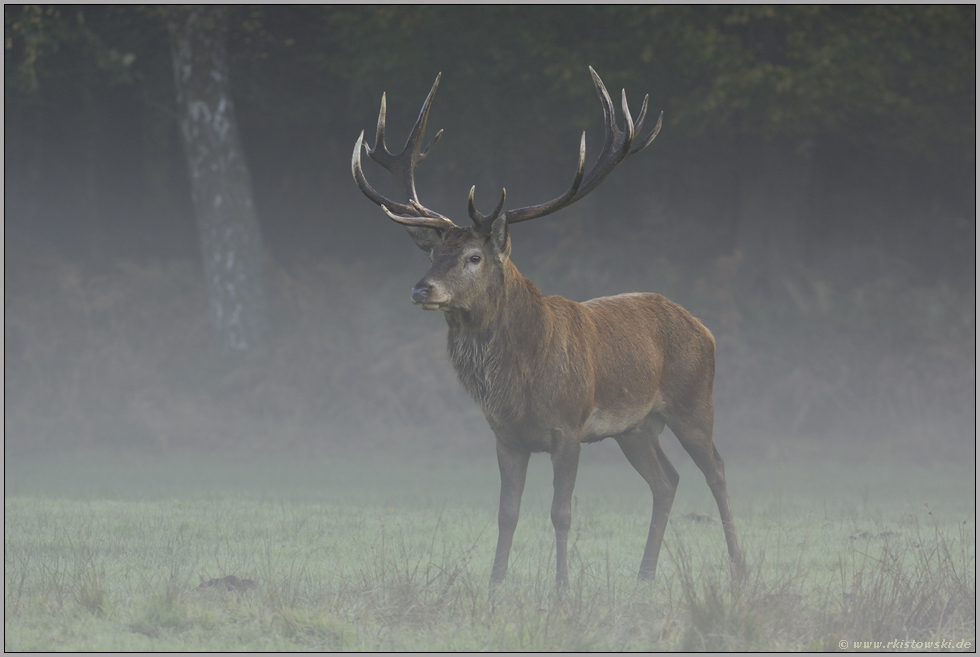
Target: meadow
112, 552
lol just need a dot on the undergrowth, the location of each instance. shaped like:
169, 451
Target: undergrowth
124, 355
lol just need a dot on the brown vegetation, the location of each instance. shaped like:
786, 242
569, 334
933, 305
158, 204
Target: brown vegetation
123, 356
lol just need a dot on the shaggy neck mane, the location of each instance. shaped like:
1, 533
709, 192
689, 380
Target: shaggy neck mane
492, 348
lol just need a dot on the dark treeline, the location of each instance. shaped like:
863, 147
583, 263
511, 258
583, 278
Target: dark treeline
816, 163
807, 127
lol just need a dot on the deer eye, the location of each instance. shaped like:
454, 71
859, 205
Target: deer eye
475, 258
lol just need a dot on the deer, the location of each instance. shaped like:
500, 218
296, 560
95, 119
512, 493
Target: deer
550, 373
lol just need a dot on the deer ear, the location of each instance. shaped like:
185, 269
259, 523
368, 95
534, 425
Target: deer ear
500, 236
425, 238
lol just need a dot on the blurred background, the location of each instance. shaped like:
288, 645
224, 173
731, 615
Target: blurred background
811, 197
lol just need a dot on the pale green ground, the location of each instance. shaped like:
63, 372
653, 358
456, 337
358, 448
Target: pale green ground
368, 554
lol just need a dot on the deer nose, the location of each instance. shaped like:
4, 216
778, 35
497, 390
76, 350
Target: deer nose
421, 292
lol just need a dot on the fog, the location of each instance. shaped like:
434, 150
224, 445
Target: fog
835, 266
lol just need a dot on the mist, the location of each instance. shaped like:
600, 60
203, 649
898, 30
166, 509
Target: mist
817, 215
843, 306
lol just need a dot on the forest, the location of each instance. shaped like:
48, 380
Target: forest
811, 197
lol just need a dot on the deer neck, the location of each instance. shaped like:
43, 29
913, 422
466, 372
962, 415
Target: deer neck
492, 348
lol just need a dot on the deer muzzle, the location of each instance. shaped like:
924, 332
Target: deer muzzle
425, 295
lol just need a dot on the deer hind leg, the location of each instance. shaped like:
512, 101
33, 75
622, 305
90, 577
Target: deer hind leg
642, 449
695, 437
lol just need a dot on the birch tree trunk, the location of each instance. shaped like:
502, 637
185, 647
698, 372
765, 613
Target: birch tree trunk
221, 187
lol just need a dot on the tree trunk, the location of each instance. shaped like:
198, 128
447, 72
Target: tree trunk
231, 243
770, 236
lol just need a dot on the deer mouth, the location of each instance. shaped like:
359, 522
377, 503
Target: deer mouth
431, 306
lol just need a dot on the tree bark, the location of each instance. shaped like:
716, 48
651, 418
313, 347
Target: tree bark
221, 187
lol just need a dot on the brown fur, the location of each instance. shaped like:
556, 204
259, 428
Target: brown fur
550, 373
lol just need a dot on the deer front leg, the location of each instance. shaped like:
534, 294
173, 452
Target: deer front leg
564, 458
513, 474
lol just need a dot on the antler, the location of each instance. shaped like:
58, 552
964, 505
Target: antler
402, 167
617, 146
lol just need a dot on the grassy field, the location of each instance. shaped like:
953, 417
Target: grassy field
197, 553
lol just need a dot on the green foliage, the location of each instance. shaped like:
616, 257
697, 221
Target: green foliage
34, 34
883, 74
887, 75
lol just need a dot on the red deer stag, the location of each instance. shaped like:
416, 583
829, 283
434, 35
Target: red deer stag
551, 373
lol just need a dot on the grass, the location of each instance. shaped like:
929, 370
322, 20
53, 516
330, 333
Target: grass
117, 553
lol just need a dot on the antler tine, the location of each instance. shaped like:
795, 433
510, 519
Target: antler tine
411, 152
608, 112
414, 140
365, 186
379, 136
471, 205
481, 220
425, 151
630, 128
650, 137
402, 166
438, 222
642, 115
617, 146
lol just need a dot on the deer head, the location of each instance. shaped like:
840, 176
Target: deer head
466, 262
